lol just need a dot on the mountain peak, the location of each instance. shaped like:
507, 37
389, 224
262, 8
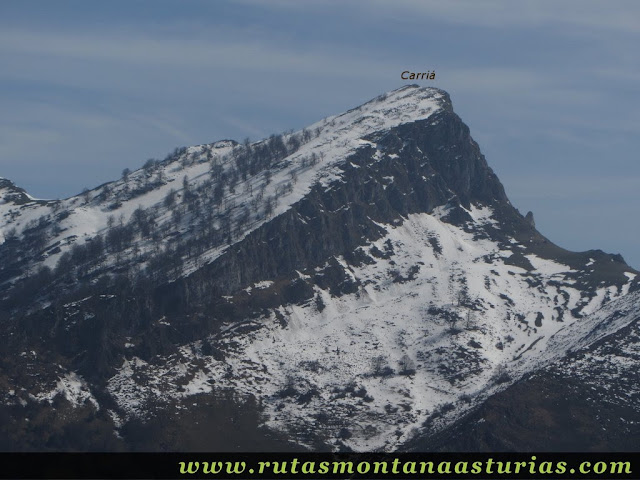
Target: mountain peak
10, 193
402, 105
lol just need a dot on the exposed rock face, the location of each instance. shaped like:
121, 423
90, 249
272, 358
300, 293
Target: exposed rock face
529, 218
10, 194
414, 168
371, 264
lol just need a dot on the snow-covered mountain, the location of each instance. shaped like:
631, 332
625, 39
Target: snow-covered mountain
363, 283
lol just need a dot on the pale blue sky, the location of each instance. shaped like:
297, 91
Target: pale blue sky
549, 89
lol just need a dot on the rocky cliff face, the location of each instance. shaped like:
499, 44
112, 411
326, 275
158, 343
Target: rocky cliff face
370, 266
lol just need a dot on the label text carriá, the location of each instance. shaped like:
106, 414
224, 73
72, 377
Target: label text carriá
407, 75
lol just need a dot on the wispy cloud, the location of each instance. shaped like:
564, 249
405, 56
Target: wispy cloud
618, 15
239, 55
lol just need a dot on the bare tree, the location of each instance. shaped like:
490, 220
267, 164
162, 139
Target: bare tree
379, 365
452, 319
149, 165
170, 199
407, 365
461, 297
470, 318
269, 207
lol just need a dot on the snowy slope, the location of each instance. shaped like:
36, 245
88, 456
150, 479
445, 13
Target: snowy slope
301, 361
